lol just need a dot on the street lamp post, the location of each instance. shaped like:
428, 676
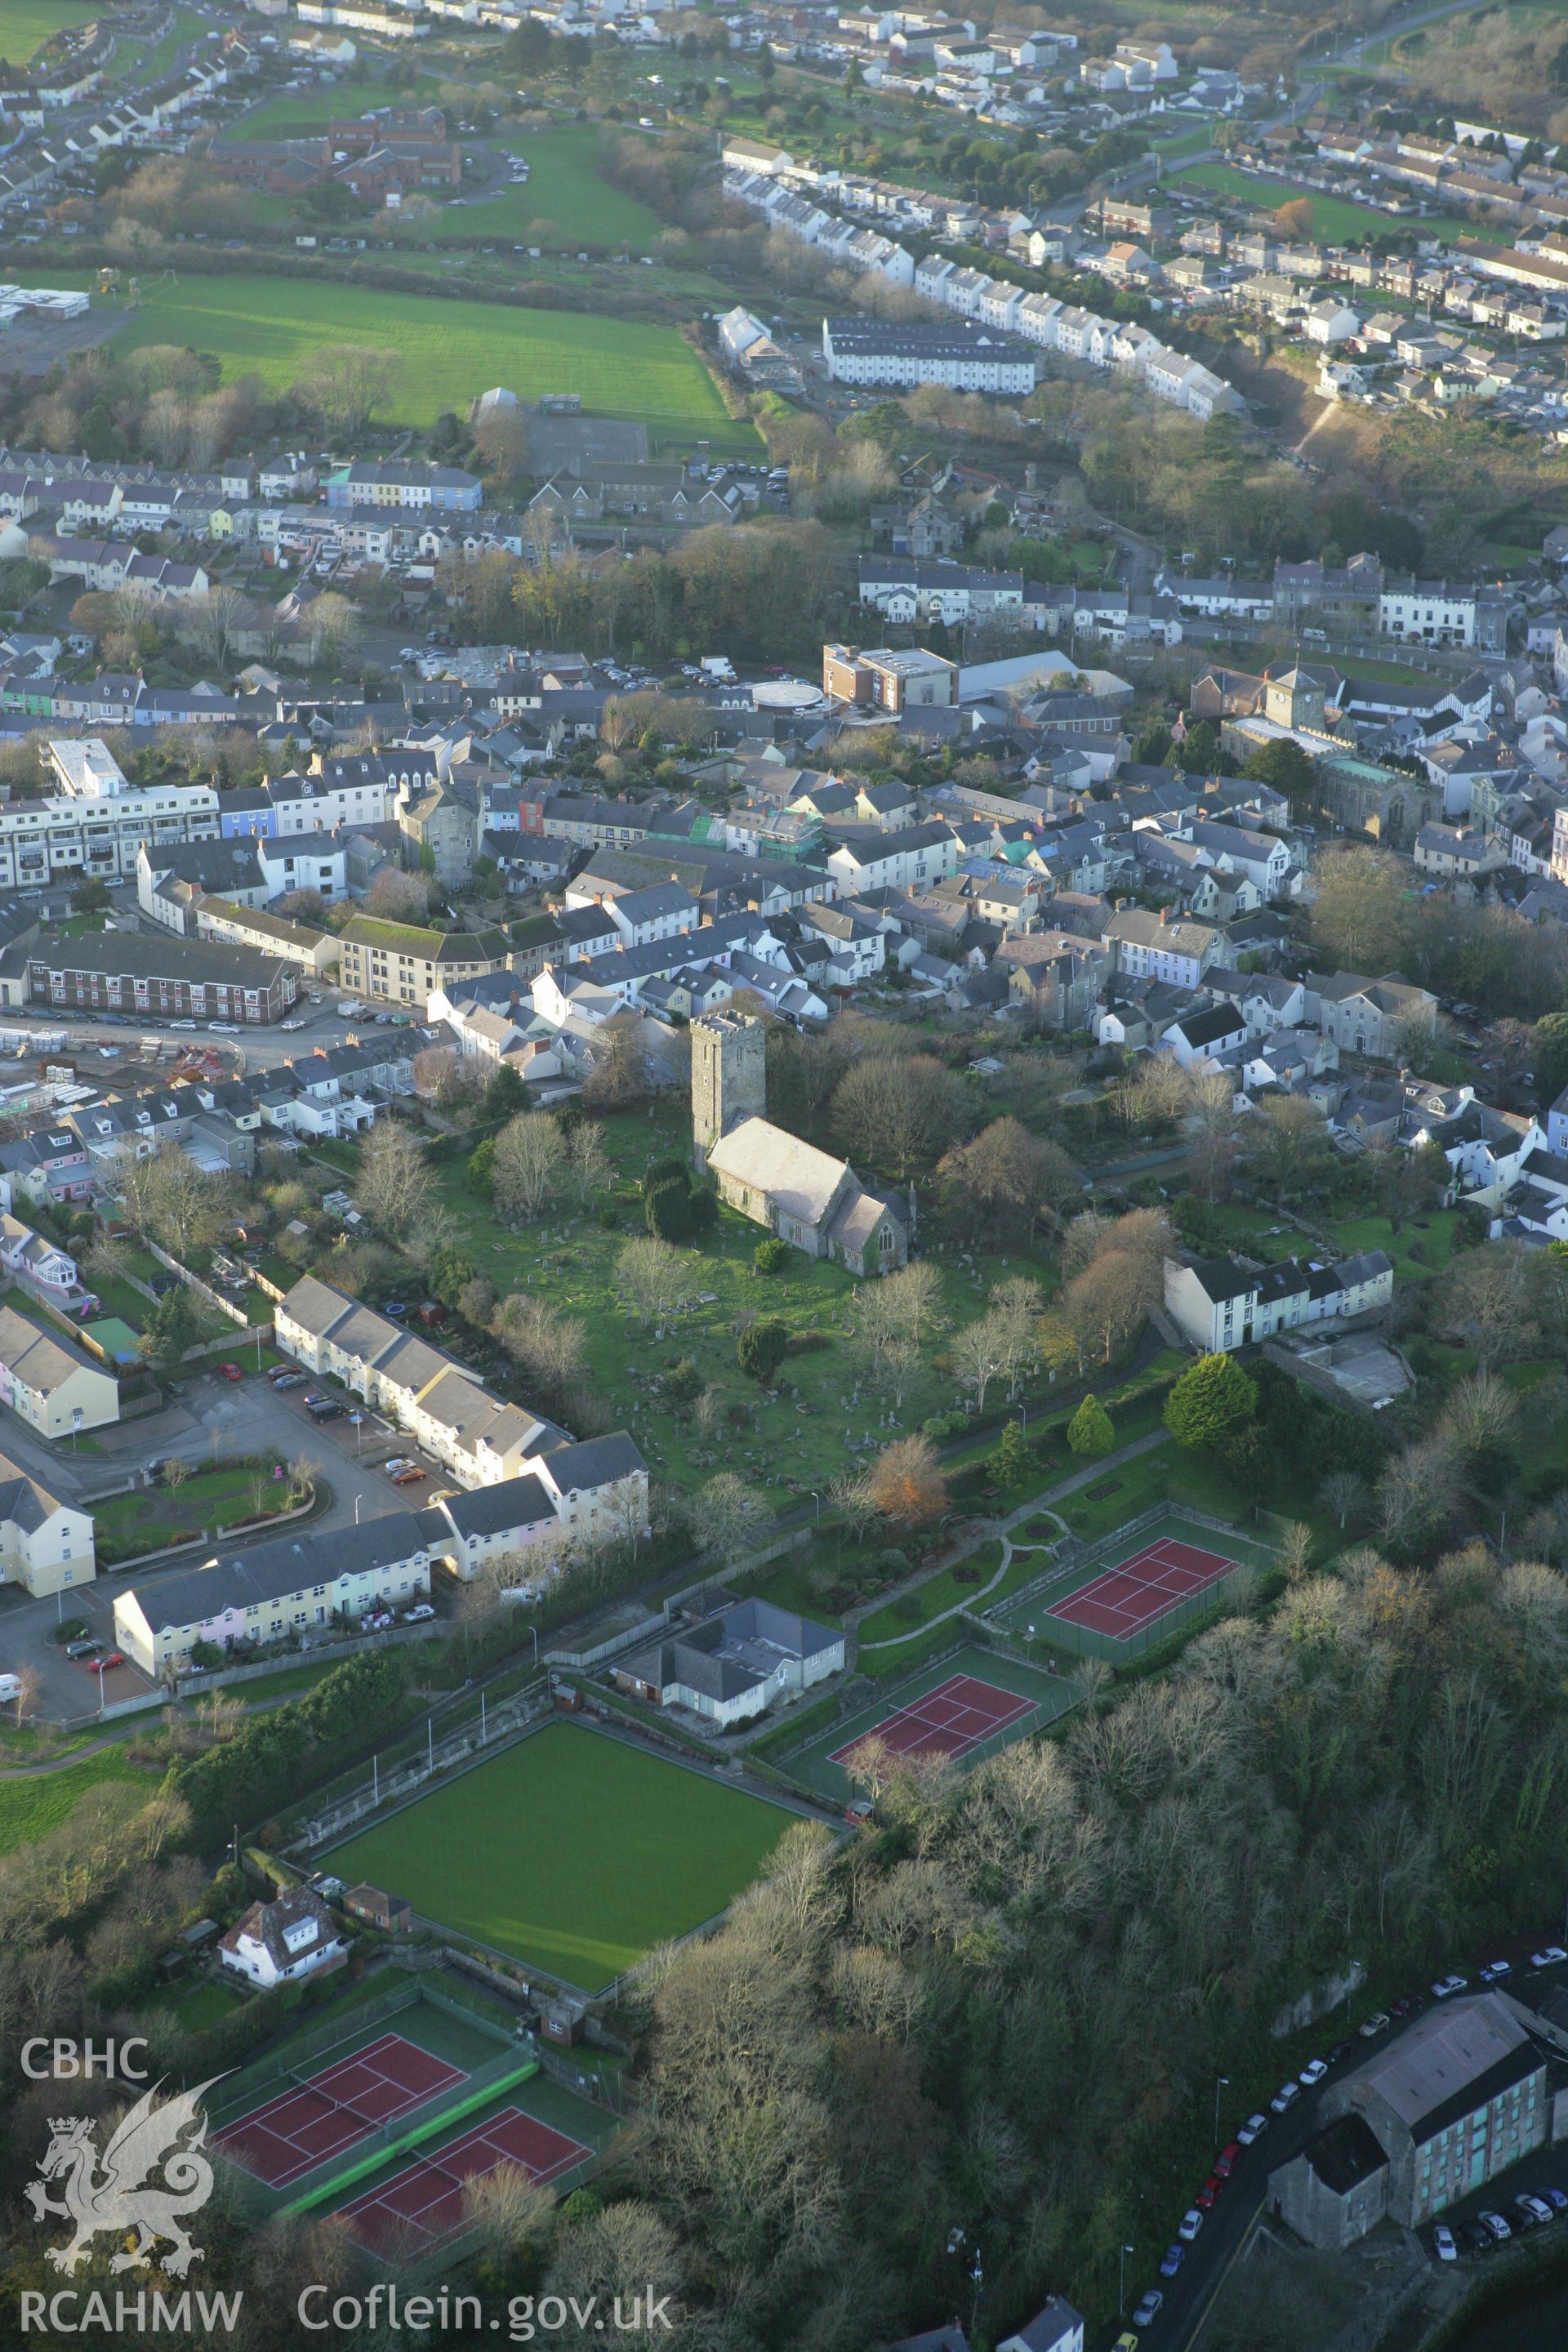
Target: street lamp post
1221, 2082
1122, 2254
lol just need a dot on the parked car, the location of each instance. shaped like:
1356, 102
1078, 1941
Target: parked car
229, 1371
1149, 2310
410, 1474
1534, 2212
1171, 2262
1443, 2244
418, 1613
1375, 2024
224, 1028
1192, 2221
1312, 2072
1228, 2159
1405, 2004
1125, 2341
290, 1380
325, 1410
1494, 1971
291, 1024
1555, 2199
1475, 2240
1207, 2197
1252, 2128
1550, 1956
279, 1372
1284, 2097
1445, 1986
101, 1666
1494, 2222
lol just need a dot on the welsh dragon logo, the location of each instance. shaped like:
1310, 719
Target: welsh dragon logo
119, 2195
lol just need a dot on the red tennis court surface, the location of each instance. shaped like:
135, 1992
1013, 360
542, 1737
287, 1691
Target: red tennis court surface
948, 1721
426, 2196
302, 2128
1144, 1588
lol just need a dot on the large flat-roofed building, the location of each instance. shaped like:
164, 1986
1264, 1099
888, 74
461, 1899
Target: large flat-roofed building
163, 979
1456, 2098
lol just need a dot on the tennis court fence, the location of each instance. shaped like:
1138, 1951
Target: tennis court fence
1075, 1556
470, 2091
392, 1782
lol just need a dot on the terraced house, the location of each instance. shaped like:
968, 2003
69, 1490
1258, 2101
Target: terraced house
403, 963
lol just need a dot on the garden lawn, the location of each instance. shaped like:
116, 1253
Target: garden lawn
196, 2006
129, 1524
272, 327
26, 25
1334, 219
31, 1808
1432, 1232
895, 1621
564, 192
305, 113
572, 1852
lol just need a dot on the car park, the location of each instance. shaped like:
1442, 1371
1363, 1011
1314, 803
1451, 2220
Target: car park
1550, 1956
1149, 2310
1252, 2129
1443, 2244
1284, 2097
1228, 2159
1311, 2073
1192, 2221
1445, 1986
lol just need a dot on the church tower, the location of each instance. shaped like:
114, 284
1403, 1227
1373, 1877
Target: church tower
729, 1077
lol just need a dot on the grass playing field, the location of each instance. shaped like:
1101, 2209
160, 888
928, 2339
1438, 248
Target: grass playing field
449, 352
572, 1852
26, 25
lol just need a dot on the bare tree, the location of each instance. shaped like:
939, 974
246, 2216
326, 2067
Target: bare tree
586, 1157
29, 1683
655, 1278
395, 1182
1343, 1494
1005, 1177
345, 383
728, 1518
528, 1164
978, 1354
549, 1345
215, 621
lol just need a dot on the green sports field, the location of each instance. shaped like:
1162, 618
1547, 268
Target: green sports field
1334, 218
572, 1851
449, 352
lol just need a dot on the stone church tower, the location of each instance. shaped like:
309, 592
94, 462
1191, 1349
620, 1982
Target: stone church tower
729, 1077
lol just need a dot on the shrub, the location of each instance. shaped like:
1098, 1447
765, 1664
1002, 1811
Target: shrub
666, 1210
809, 1343
703, 1209
771, 1256
759, 1350
1089, 1431
907, 1608
1210, 1402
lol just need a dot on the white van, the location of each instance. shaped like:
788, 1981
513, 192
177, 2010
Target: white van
10, 1687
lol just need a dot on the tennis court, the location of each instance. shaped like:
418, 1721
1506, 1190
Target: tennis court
1142, 1584
966, 1705
424, 2199
951, 1720
324, 2113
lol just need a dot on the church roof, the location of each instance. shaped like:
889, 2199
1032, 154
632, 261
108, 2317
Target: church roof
800, 1181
